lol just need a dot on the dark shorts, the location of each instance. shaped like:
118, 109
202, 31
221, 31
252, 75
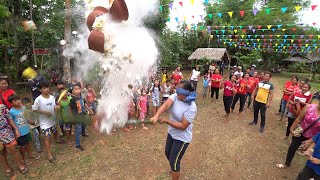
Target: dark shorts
24, 140
49, 131
164, 99
174, 151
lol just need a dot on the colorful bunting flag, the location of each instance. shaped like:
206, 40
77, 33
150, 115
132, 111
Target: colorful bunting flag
255, 11
230, 13
181, 4
170, 6
298, 8
268, 10
242, 13
284, 9
313, 7
269, 26
160, 8
219, 14
210, 16
192, 2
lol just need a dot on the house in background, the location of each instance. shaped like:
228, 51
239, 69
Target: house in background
213, 55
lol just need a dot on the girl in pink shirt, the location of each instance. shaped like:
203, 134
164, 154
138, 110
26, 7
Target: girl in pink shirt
143, 99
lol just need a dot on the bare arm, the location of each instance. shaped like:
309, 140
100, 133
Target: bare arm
168, 103
13, 125
178, 125
270, 99
299, 118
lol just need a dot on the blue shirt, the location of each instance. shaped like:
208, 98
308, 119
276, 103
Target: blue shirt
181, 109
316, 154
19, 120
205, 83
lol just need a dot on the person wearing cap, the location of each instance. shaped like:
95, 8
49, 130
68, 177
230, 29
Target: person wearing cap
239, 72
253, 69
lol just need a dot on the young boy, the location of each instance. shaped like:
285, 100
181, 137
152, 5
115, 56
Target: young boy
17, 114
78, 108
166, 91
33, 121
205, 87
91, 98
45, 106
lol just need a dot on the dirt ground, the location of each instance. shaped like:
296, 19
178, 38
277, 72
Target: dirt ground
219, 150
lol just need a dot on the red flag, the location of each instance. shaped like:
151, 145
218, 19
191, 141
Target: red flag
300, 45
192, 16
314, 23
270, 36
290, 47
270, 44
299, 41
311, 36
242, 13
244, 30
294, 29
181, 3
264, 40
259, 26
313, 7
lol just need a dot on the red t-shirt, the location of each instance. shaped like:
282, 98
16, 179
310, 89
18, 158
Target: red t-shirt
302, 98
176, 77
5, 96
216, 77
289, 87
253, 82
242, 87
90, 97
228, 88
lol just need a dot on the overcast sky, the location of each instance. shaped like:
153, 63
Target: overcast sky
307, 16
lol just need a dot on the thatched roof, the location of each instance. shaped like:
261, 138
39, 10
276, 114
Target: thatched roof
213, 54
308, 59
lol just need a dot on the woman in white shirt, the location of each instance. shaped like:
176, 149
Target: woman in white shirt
194, 76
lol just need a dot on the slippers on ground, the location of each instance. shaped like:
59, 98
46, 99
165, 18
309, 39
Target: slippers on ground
53, 160
8, 173
281, 166
24, 170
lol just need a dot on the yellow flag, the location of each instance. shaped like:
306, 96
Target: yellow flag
298, 8
211, 36
192, 2
230, 13
185, 17
189, 26
235, 31
230, 40
269, 26
278, 35
307, 45
224, 42
235, 45
248, 43
284, 29
258, 40
318, 36
242, 36
276, 44
292, 40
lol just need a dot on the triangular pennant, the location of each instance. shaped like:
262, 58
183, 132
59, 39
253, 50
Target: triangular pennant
279, 26
216, 31
168, 19
193, 16
273, 29
313, 7
211, 36
206, 2
244, 30
219, 14
235, 31
294, 29
177, 19
160, 8
250, 27
242, 13
201, 17
210, 16
278, 35
242, 36
185, 18
262, 36
314, 23
284, 9
259, 27
285, 41
284, 29
170, 6
293, 36
181, 4
230, 13
268, 10
255, 11
192, 2
253, 30
298, 8
258, 40
232, 27
318, 36
311, 36
269, 26
292, 40
218, 36
285, 36
223, 31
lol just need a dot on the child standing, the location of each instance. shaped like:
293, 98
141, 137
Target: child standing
64, 110
91, 98
8, 138
34, 125
166, 91
56, 95
205, 86
155, 94
228, 93
242, 87
17, 114
45, 106
78, 108
143, 107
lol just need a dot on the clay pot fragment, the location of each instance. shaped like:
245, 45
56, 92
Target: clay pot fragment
119, 11
96, 41
97, 11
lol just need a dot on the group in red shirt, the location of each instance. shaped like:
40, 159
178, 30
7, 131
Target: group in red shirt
289, 88
216, 80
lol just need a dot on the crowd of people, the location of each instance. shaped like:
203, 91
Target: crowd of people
72, 107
